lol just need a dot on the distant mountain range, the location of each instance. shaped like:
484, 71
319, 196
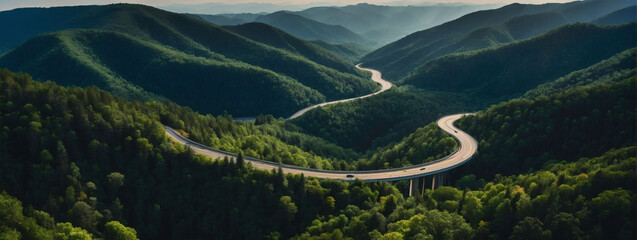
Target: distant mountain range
370, 25
310, 29
484, 29
145, 53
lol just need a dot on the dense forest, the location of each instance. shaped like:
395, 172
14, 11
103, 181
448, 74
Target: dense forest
143, 53
90, 158
373, 122
96, 161
590, 198
84, 152
524, 134
483, 29
492, 75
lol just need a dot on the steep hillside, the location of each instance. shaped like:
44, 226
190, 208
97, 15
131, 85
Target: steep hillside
524, 134
271, 36
310, 29
200, 41
510, 70
483, 29
617, 68
618, 17
132, 68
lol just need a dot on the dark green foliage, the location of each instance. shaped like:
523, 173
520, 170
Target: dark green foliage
378, 120
483, 29
146, 53
617, 68
271, 36
495, 74
523, 134
108, 159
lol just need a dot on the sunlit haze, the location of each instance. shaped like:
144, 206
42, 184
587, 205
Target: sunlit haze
11, 4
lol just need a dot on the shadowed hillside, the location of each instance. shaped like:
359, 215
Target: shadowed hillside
196, 43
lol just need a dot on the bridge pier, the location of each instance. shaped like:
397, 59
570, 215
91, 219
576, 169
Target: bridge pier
416, 185
438, 180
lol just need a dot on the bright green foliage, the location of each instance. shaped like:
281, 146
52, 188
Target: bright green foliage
114, 230
66, 231
14, 224
425, 144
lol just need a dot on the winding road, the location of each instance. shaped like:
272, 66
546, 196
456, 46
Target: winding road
376, 77
467, 147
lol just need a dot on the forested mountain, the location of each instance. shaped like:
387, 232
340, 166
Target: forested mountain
556, 147
618, 17
522, 135
90, 158
351, 52
230, 18
507, 71
570, 163
483, 29
617, 68
271, 36
168, 47
310, 29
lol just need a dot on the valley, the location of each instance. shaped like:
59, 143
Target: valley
273, 121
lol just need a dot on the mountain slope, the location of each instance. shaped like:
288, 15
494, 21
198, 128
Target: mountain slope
509, 70
483, 29
617, 68
309, 29
388, 23
271, 36
107, 59
197, 39
524, 134
618, 17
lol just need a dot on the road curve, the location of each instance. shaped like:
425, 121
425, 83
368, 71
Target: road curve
376, 77
467, 147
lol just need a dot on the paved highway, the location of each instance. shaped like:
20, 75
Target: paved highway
467, 147
376, 77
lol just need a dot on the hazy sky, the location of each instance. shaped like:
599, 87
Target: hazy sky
11, 4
